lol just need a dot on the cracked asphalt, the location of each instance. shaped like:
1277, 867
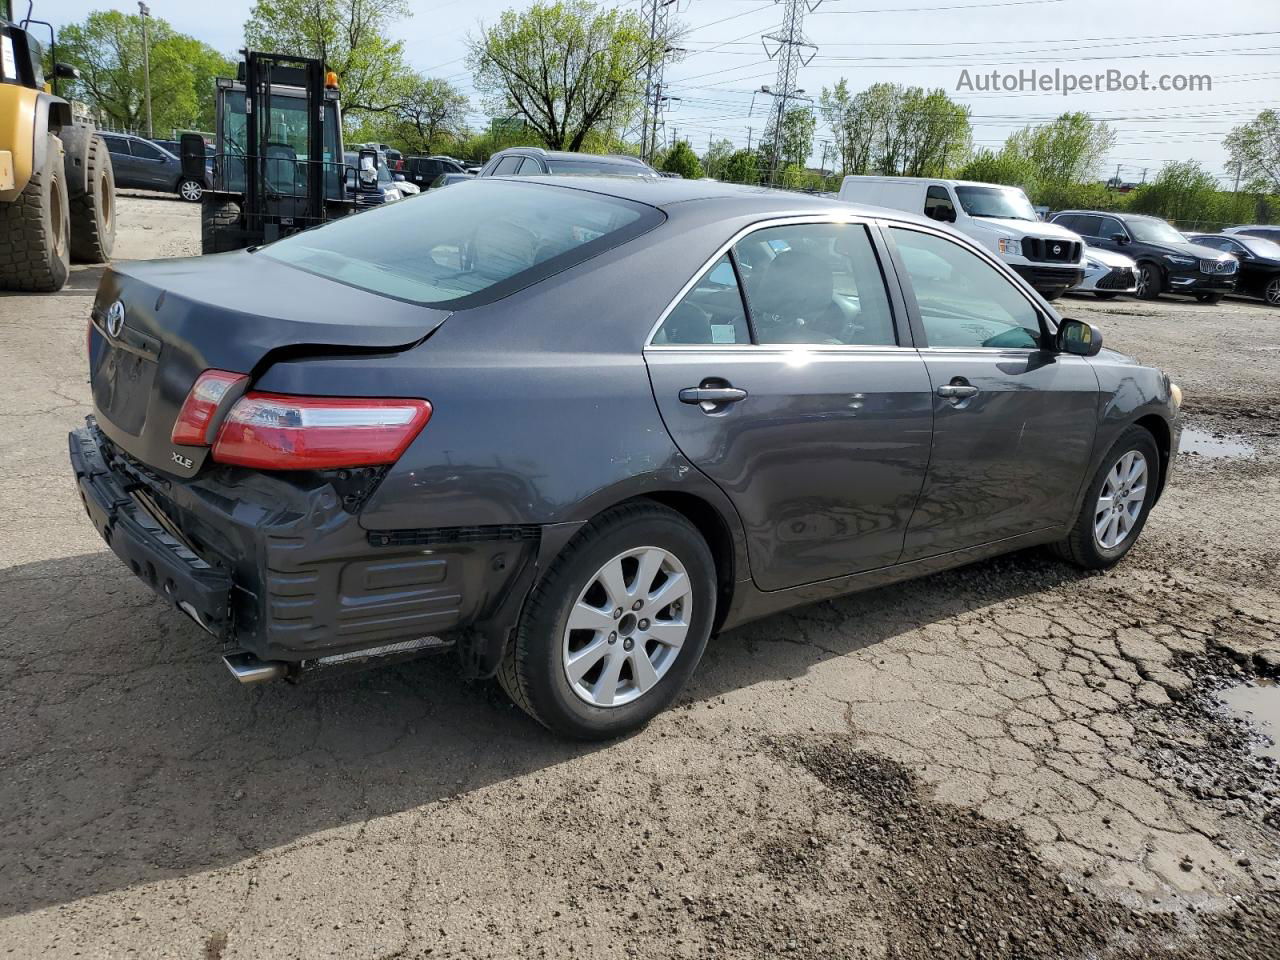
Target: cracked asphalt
1009, 760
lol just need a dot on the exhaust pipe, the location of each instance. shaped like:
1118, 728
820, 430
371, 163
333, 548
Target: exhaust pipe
247, 668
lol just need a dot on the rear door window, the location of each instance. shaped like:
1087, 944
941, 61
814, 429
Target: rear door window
938, 205
815, 283
466, 246
117, 145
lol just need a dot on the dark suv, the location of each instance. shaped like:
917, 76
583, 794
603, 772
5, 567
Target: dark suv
424, 170
535, 161
143, 165
1167, 261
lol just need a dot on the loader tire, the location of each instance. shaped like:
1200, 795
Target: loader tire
220, 228
35, 229
93, 199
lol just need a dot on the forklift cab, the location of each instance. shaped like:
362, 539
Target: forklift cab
278, 163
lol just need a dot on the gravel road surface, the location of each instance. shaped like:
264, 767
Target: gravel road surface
1009, 760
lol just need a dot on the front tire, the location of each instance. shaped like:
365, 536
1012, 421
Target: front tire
1117, 503
35, 229
612, 632
1208, 297
93, 202
1271, 293
220, 228
1149, 282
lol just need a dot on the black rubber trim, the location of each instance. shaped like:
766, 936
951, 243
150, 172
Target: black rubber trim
426, 536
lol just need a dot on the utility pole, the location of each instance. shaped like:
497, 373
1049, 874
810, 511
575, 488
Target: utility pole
792, 51
145, 11
656, 12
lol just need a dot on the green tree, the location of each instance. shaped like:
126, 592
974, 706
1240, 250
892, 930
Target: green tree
1066, 151
1255, 152
1007, 166
567, 67
717, 158
895, 130
107, 49
743, 166
682, 160
1183, 191
350, 36
427, 113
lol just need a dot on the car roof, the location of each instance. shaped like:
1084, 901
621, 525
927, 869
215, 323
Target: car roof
615, 158
662, 192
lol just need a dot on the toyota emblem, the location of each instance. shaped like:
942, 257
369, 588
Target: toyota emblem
1057, 248
115, 318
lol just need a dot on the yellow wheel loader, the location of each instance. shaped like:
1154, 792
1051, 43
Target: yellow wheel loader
57, 192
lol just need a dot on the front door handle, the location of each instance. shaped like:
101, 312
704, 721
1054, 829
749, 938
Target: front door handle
715, 395
957, 391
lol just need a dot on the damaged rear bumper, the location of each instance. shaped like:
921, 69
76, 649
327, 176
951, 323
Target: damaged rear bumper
275, 566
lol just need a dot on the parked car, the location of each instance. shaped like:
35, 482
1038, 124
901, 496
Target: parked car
1259, 262
142, 165
425, 170
1107, 274
383, 189
1167, 261
445, 468
1271, 232
1000, 218
394, 158
535, 161
445, 179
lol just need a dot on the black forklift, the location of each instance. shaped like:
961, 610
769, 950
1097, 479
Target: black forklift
277, 165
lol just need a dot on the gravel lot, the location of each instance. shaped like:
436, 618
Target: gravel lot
1009, 760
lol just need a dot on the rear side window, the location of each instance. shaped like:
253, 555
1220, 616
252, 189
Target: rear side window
529, 168
507, 165
147, 151
710, 313
964, 301
470, 245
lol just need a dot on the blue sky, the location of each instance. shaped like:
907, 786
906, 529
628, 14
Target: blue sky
922, 42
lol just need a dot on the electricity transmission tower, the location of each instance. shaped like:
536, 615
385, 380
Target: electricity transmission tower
657, 14
793, 50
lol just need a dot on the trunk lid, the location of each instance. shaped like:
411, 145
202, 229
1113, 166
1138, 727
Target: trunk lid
237, 312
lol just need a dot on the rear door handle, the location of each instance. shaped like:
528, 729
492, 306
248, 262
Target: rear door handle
712, 395
957, 391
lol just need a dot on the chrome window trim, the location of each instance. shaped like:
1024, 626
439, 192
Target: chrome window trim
853, 218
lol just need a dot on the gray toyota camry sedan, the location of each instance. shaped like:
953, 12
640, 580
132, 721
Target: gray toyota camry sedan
569, 429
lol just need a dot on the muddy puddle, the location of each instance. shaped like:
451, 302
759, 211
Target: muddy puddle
1257, 702
1215, 446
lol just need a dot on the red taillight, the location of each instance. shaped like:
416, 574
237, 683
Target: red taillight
276, 432
198, 410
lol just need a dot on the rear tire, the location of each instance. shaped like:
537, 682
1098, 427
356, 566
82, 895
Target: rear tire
1084, 546
35, 229
190, 190
535, 671
220, 228
93, 202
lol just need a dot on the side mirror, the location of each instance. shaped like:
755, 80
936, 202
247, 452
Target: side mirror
1120, 238
1078, 338
65, 71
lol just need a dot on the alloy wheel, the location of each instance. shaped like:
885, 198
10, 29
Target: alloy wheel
1120, 501
191, 190
627, 626
1272, 293
1145, 280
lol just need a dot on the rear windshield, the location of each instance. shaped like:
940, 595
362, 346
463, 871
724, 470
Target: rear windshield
598, 167
475, 243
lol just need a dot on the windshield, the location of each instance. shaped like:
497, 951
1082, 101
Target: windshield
598, 167
1259, 247
1153, 231
457, 248
1008, 202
